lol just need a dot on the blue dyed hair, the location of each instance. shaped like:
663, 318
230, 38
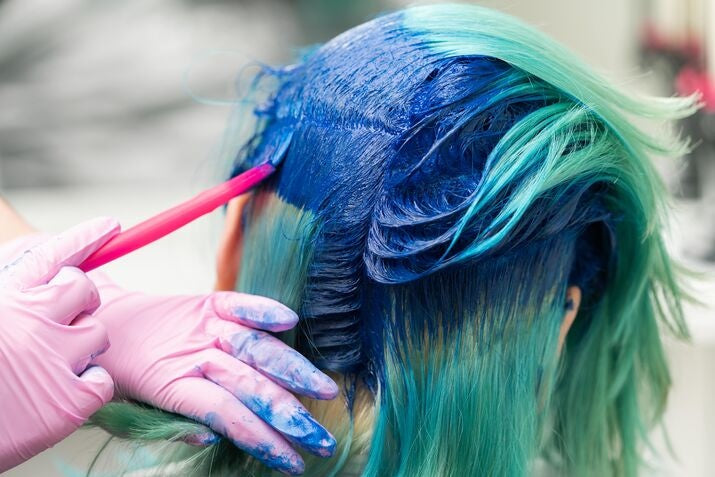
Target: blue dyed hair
449, 173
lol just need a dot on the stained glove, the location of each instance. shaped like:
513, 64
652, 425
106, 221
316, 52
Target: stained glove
46, 389
205, 357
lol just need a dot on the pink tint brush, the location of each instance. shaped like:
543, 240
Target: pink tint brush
170, 220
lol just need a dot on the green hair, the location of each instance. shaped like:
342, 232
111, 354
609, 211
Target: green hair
451, 173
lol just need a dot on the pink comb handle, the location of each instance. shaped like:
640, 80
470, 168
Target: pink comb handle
170, 220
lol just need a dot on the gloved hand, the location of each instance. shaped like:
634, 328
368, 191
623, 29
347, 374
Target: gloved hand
46, 389
205, 358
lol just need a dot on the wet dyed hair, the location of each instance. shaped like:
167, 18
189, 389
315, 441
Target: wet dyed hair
450, 172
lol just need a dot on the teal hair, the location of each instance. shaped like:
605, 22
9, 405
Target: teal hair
451, 172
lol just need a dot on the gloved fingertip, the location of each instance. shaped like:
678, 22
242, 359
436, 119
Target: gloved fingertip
254, 311
99, 381
325, 388
264, 320
311, 435
279, 319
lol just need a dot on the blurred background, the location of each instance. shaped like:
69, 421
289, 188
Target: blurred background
118, 108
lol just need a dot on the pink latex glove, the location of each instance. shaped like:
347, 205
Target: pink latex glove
46, 390
203, 357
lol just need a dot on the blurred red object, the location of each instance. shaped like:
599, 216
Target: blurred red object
691, 80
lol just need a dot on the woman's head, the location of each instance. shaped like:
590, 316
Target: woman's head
450, 175
454, 185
